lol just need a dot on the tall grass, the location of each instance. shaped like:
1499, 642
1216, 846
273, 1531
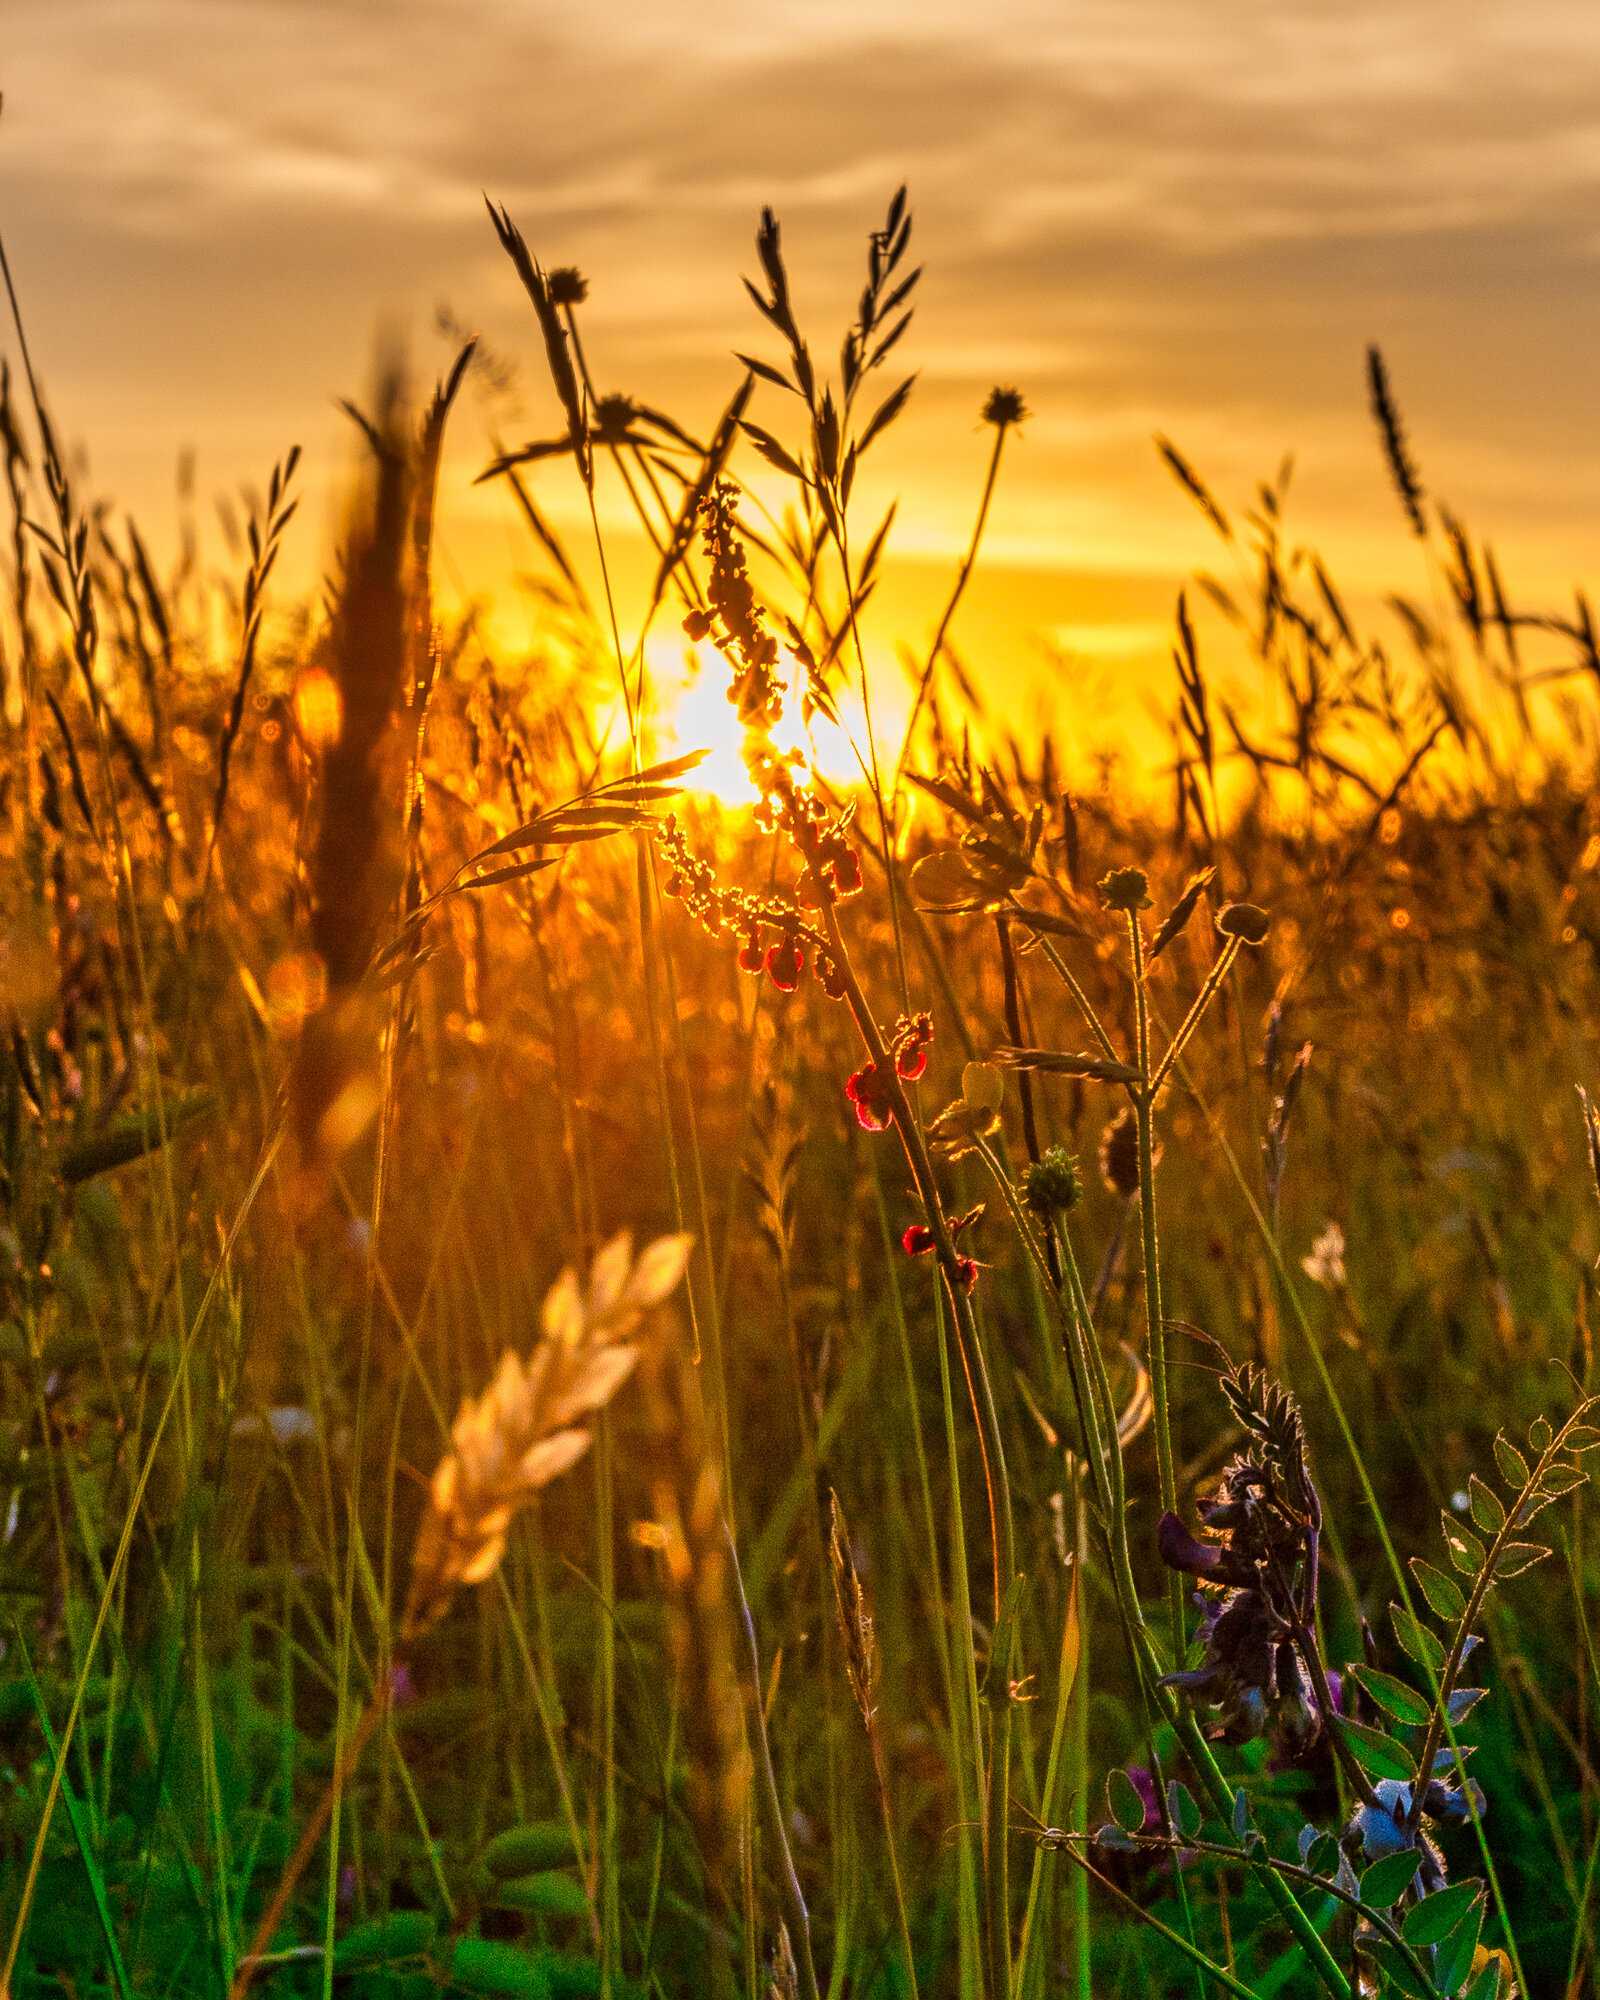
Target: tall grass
356, 984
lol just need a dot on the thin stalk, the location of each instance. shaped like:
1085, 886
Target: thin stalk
952, 603
1155, 1324
767, 1783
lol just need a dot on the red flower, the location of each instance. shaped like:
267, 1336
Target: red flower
846, 872
785, 962
910, 1044
917, 1241
869, 1093
967, 1269
750, 959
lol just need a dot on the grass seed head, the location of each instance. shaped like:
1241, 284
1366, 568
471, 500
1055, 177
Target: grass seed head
528, 1426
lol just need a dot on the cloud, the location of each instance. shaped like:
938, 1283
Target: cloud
1149, 213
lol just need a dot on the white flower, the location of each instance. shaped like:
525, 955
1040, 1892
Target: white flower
1325, 1265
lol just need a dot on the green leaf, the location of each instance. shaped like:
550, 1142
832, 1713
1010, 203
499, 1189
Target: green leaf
1393, 1696
1322, 1857
1122, 1797
1398, 1971
1182, 1810
1513, 1466
1487, 1984
1515, 1557
1539, 1436
1378, 1755
1466, 1551
130, 1137
483, 1965
1442, 1592
1559, 1479
1386, 1881
526, 1850
1416, 1640
1436, 1916
1452, 1962
1582, 1437
402, 1934
550, 1892
1486, 1508
1241, 1814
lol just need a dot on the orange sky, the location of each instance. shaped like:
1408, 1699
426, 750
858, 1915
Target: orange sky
1148, 214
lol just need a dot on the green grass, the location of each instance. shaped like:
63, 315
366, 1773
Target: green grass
267, 1220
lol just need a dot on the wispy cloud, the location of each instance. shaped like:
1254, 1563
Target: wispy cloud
1148, 212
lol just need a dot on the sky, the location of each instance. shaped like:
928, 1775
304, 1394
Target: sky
1151, 215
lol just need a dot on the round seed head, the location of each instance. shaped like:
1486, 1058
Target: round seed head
1125, 889
1244, 922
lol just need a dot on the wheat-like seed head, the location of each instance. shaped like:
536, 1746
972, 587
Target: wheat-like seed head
526, 1427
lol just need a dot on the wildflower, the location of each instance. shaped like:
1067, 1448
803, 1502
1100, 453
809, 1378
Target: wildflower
868, 1091
1263, 1520
909, 1044
1325, 1265
967, 1272
1051, 1185
750, 954
567, 286
919, 1240
1125, 889
785, 963
1384, 1828
1004, 407
1244, 922
844, 869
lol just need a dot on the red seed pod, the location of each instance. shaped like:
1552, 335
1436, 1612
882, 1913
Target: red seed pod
869, 1093
785, 963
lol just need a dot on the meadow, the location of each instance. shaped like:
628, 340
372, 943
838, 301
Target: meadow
933, 1386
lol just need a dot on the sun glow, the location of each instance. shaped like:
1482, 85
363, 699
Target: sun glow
691, 686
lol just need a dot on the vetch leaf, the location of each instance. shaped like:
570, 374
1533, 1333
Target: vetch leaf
1442, 1592
550, 1893
1436, 1916
1452, 1964
1486, 1508
1463, 1701
528, 1850
484, 1965
1393, 1696
1378, 1755
1582, 1437
1386, 1881
1416, 1640
402, 1934
1515, 1557
1466, 1551
1122, 1797
1561, 1479
1513, 1466
1539, 1435
1182, 1810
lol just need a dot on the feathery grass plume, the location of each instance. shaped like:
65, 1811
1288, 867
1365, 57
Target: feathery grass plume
1402, 468
527, 1428
265, 536
1194, 486
355, 868
557, 350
